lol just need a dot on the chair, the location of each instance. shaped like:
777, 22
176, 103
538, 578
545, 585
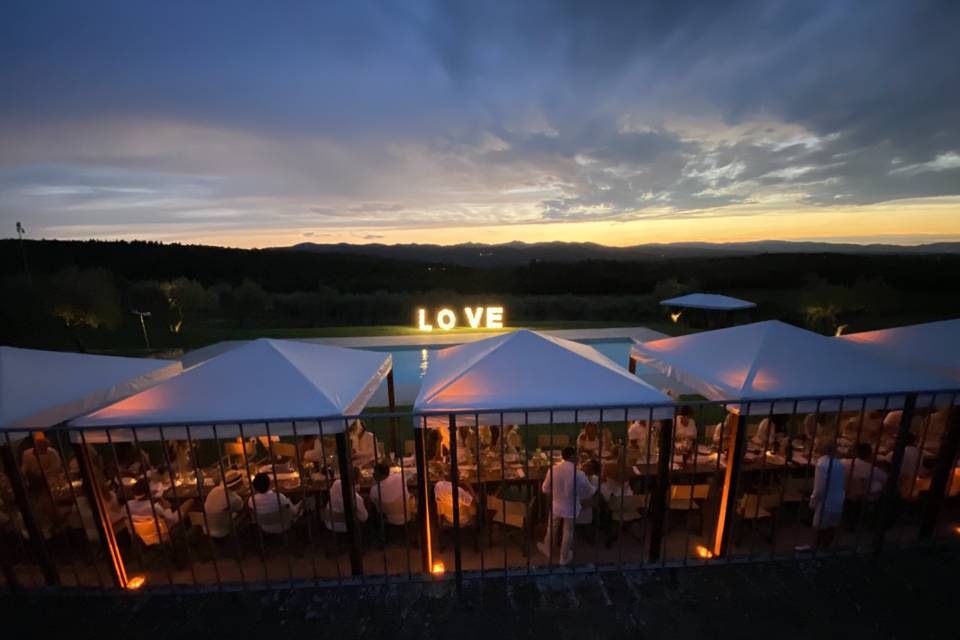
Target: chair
468, 520
687, 497
511, 514
284, 450
627, 510
235, 451
283, 518
218, 520
559, 441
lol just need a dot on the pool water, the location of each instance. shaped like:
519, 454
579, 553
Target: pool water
410, 364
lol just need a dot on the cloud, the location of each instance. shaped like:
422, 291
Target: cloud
245, 116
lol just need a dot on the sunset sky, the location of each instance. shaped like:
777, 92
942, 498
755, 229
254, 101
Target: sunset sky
253, 123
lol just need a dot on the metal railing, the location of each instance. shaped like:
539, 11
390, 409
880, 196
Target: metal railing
413, 497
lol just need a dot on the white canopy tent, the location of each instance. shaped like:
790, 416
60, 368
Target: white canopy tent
932, 344
275, 386
709, 301
526, 369
40, 389
776, 361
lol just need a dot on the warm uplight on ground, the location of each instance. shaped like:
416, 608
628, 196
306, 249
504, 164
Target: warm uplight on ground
703, 552
438, 569
136, 582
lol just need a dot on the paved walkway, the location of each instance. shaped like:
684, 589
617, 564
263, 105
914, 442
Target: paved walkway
907, 594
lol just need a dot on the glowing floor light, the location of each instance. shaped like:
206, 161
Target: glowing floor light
438, 568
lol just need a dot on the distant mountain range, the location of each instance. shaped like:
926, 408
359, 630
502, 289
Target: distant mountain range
512, 253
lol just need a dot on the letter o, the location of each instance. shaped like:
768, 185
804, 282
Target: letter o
446, 319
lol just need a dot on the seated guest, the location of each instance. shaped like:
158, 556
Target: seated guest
443, 494
867, 426
590, 468
42, 459
131, 459
336, 504
363, 444
891, 424
390, 497
811, 426
512, 440
614, 484
685, 427
265, 501
829, 494
223, 499
640, 436
589, 441
766, 435
311, 449
466, 443
146, 513
863, 478
724, 431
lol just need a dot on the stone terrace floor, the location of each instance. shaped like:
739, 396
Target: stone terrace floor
906, 594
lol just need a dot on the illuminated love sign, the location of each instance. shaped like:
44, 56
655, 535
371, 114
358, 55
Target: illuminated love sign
446, 319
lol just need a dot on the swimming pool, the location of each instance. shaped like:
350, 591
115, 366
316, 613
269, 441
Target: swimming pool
410, 364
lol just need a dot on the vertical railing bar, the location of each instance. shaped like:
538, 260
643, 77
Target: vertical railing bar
56, 522
761, 484
70, 546
276, 491
203, 507
93, 508
153, 507
526, 463
455, 500
135, 541
305, 514
503, 505
328, 475
233, 526
853, 464
481, 516
176, 499
253, 503
406, 516
24, 552
599, 463
381, 516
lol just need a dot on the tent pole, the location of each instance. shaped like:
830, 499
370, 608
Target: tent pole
661, 489
94, 495
942, 474
49, 571
349, 507
892, 489
728, 496
426, 551
392, 401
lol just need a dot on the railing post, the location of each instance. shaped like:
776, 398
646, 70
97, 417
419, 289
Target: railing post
49, 571
345, 462
661, 489
728, 496
455, 490
942, 474
892, 488
423, 497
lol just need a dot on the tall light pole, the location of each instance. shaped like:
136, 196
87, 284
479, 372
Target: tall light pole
143, 324
23, 252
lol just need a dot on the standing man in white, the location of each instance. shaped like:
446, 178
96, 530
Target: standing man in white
569, 487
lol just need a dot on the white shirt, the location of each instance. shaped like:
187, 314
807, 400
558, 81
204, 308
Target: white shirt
217, 501
143, 510
392, 488
49, 461
828, 493
865, 473
686, 431
638, 433
270, 502
364, 451
765, 435
611, 489
336, 505
569, 486
443, 494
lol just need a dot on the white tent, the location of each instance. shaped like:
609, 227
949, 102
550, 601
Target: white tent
932, 344
710, 301
524, 369
774, 361
264, 383
39, 389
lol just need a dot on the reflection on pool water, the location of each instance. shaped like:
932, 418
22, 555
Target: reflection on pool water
410, 364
